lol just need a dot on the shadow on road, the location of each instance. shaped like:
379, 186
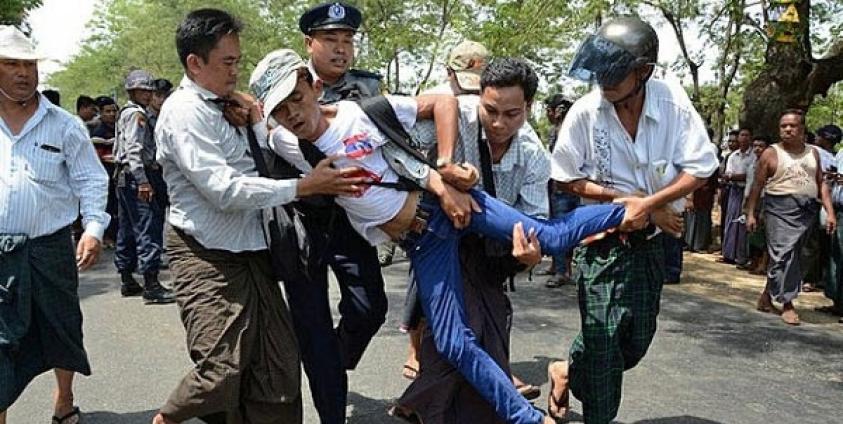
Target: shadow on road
366, 410
106, 417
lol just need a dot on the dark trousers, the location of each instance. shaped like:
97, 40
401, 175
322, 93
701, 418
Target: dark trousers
672, 258
140, 230
327, 352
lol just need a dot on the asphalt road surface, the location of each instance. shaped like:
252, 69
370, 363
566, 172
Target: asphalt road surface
714, 359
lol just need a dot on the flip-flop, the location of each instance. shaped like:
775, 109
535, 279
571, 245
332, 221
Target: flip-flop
410, 373
563, 404
794, 320
68, 419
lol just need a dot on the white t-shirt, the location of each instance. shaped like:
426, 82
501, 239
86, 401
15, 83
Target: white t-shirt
826, 158
671, 138
352, 135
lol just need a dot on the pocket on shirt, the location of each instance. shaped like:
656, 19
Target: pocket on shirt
46, 166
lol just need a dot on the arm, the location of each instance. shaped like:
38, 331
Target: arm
588, 189
135, 132
88, 181
763, 170
444, 110
825, 197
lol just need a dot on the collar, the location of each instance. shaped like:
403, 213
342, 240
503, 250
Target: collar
44, 107
650, 108
204, 94
513, 156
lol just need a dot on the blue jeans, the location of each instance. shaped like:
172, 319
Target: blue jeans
140, 225
560, 204
434, 259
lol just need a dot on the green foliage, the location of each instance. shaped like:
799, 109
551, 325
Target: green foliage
14, 12
827, 110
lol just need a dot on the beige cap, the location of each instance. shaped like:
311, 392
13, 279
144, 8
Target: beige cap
15, 45
468, 60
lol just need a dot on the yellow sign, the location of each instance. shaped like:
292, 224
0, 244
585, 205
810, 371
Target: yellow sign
790, 15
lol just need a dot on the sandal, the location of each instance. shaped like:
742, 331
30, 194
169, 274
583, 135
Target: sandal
69, 418
557, 408
410, 373
557, 280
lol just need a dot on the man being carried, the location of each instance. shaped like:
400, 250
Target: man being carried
430, 231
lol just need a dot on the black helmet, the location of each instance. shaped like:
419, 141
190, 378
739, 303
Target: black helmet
620, 46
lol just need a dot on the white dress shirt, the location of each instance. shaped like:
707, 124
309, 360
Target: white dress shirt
215, 193
47, 171
671, 138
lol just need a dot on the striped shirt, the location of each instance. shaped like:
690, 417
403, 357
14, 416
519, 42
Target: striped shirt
47, 171
215, 192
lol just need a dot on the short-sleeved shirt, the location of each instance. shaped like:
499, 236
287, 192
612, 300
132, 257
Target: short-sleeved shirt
352, 135
671, 138
739, 163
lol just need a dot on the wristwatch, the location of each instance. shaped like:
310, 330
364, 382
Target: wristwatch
443, 162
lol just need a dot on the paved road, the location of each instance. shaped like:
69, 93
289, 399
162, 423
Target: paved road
712, 361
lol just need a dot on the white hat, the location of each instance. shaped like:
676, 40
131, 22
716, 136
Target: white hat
15, 45
275, 77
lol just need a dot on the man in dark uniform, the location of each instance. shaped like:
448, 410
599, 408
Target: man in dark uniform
141, 195
327, 352
329, 30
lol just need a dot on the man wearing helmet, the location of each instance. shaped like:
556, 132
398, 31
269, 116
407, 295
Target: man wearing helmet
631, 135
141, 195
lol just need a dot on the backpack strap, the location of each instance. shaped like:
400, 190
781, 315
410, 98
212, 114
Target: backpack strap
383, 116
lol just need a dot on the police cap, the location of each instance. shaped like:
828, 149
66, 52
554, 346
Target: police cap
331, 15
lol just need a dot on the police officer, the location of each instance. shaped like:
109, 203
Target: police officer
329, 30
162, 90
327, 352
141, 195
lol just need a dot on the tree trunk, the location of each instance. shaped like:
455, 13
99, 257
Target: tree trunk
790, 78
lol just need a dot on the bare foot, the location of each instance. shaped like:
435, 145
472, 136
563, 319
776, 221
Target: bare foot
764, 304
558, 400
789, 315
160, 419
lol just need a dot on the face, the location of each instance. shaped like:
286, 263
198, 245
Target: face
141, 97
791, 128
503, 111
758, 147
616, 92
87, 112
744, 139
108, 114
551, 114
299, 112
733, 142
331, 52
219, 73
18, 78
158, 100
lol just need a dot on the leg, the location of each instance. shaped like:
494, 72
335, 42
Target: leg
319, 345
64, 392
619, 292
556, 236
125, 253
673, 259
363, 303
149, 227
437, 269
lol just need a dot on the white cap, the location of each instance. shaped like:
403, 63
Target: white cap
275, 77
15, 45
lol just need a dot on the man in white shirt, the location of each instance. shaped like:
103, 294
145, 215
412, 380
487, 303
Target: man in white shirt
630, 135
429, 228
49, 174
734, 232
238, 327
